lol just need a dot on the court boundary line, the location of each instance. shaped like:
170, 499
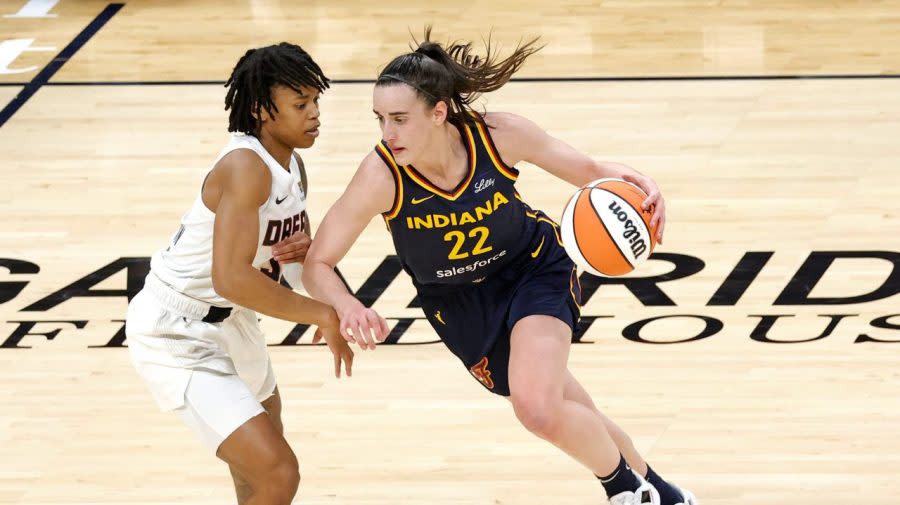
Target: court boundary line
43, 77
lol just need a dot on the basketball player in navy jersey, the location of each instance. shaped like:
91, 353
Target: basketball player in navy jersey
193, 332
491, 273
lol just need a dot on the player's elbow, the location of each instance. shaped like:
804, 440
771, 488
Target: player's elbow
312, 269
309, 277
223, 282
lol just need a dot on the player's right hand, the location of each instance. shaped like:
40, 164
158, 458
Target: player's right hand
292, 249
362, 325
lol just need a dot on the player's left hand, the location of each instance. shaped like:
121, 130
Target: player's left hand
339, 348
654, 202
292, 249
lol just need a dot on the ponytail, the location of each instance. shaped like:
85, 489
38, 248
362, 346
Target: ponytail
454, 74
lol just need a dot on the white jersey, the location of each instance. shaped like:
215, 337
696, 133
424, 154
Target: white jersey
186, 264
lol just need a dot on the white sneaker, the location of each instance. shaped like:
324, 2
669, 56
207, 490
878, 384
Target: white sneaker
644, 495
688, 497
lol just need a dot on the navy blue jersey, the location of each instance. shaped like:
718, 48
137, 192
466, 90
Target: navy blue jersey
465, 234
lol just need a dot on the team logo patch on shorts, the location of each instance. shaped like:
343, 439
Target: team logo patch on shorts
480, 371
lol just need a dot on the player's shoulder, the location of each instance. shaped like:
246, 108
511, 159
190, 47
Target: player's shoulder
513, 135
244, 171
506, 128
374, 167
372, 187
242, 162
500, 122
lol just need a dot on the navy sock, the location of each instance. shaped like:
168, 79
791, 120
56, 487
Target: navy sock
668, 495
622, 479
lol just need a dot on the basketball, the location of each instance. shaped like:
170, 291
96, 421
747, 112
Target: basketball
604, 230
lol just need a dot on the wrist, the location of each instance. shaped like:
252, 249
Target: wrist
346, 304
327, 318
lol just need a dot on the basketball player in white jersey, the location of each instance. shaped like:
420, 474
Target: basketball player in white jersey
193, 332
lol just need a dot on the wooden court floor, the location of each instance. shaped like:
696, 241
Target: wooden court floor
754, 360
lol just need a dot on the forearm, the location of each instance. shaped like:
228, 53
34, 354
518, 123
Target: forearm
322, 282
250, 288
612, 169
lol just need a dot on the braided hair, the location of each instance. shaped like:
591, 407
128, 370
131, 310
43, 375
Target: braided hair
257, 72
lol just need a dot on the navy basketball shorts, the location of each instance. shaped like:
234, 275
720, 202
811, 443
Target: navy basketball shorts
475, 321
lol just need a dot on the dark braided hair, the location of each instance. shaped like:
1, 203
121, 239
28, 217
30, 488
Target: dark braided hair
454, 74
251, 82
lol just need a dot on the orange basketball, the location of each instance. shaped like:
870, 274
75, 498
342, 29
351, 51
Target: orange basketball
604, 230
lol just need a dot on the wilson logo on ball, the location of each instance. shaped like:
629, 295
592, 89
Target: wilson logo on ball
631, 233
604, 229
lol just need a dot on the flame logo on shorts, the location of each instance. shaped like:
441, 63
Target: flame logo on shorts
480, 371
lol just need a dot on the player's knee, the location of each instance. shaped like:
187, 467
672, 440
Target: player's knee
538, 415
281, 480
277, 479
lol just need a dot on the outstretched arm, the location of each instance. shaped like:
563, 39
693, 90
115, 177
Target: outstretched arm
370, 192
519, 139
